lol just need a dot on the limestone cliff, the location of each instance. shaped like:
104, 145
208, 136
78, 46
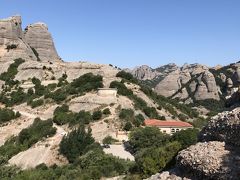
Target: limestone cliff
12, 43
35, 43
39, 38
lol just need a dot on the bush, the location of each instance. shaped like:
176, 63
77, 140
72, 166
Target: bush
62, 115
127, 76
126, 114
97, 115
153, 160
7, 115
106, 111
109, 140
122, 89
185, 137
128, 126
9, 76
138, 120
36, 103
87, 82
12, 46
76, 143
147, 137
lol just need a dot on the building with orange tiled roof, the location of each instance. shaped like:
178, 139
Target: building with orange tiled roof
169, 126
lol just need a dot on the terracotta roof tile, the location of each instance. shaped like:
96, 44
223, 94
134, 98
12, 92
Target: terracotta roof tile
168, 123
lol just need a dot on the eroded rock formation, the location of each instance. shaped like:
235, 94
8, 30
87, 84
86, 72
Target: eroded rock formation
39, 38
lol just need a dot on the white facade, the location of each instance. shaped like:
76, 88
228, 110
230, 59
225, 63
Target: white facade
104, 92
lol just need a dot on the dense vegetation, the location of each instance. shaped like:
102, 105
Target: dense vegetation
62, 115
155, 151
77, 143
79, 86
27, 137
7, 115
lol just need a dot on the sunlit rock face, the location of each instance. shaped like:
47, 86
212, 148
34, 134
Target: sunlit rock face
12, 42
39, 38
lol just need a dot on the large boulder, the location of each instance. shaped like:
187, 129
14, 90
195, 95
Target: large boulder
211, 160
224, 127
39, 38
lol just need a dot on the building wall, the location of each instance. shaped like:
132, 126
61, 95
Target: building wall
107, 92
171, 130
121, 135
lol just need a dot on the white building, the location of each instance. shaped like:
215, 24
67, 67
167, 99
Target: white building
168, 127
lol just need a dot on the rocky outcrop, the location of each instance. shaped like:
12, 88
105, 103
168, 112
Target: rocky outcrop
206, 87
35, 43
216, 156
224, 127
209, 160
12, 44
166, 176
144, 72
170, 84
189, 82
39, 38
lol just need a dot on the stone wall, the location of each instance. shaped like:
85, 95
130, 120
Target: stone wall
107, 92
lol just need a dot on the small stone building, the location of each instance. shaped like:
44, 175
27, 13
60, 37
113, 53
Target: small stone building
168, 127
107, 92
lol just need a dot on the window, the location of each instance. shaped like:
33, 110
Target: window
172, 130
177, 130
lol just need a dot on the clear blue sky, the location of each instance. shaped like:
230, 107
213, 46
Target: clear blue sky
134, 32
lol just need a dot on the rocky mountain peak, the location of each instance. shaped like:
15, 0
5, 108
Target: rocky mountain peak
35, 43
39, 38
144, 72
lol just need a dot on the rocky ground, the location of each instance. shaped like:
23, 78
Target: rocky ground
217, 156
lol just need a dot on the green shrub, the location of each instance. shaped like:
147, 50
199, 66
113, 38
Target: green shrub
147, 137
126, 114
153, 160
122, 89
106, 111
185, 137
87, 82
97, 115
76, 143
128, 126
7, 115
138, 120
127, 76
36, 103
12, 46
109, 140
62, 115
9, 76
